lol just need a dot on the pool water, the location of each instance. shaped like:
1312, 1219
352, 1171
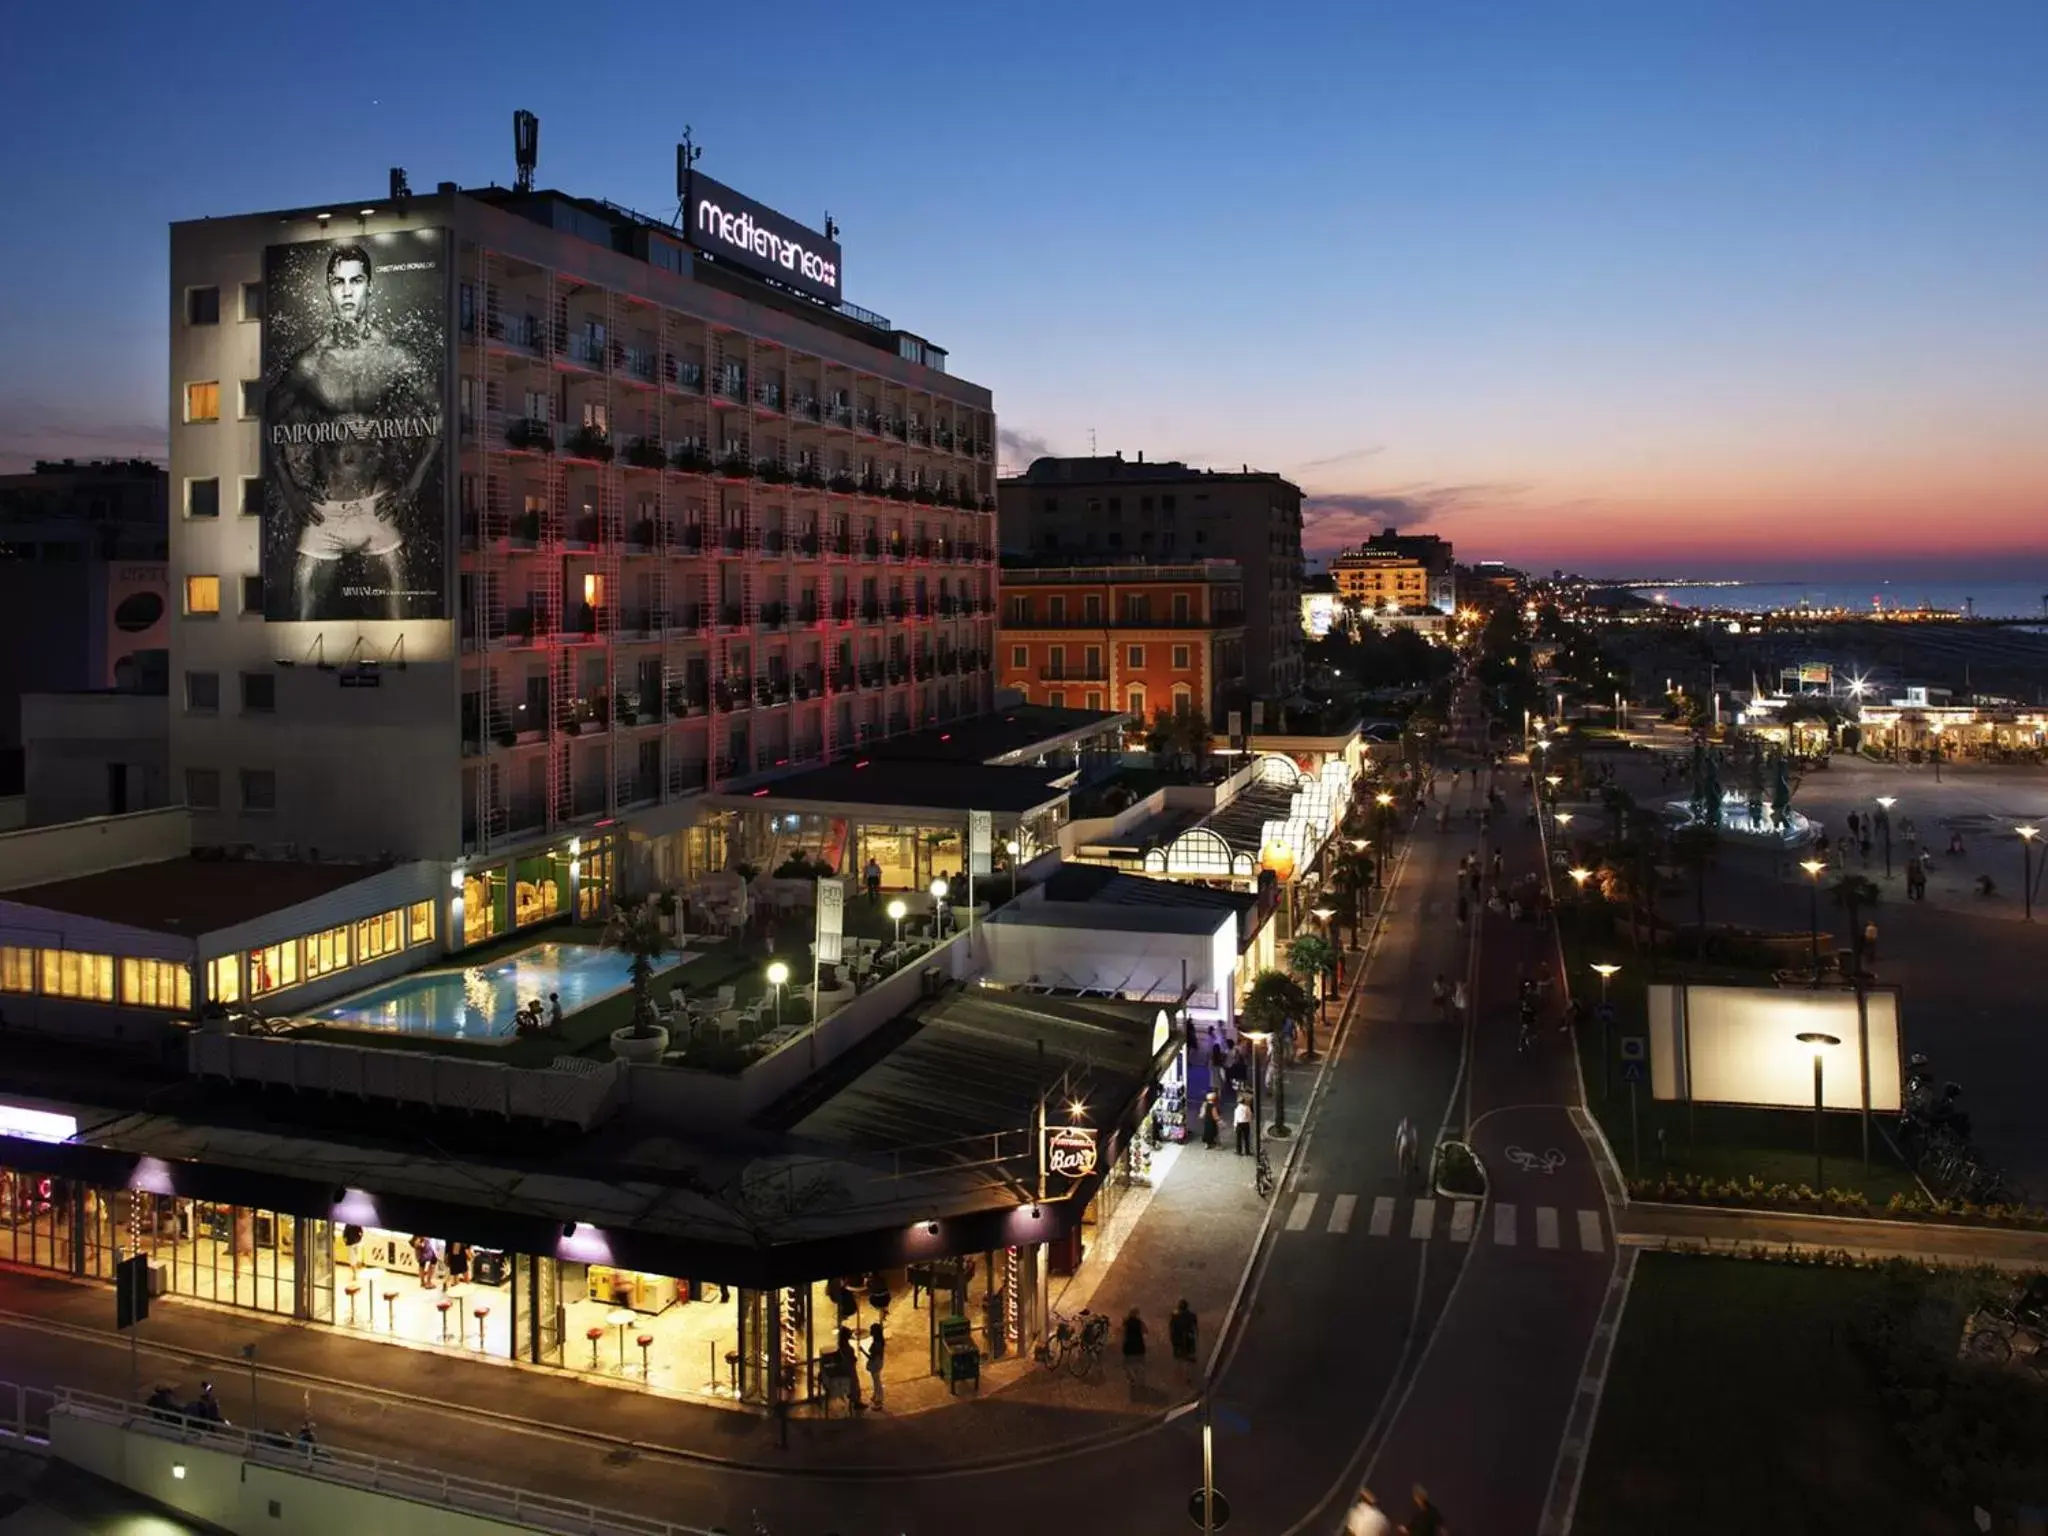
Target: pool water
479, 1003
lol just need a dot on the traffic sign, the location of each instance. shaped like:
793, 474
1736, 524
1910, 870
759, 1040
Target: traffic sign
1604, 1013
1635, 1048
1635, 1072
1210, 1511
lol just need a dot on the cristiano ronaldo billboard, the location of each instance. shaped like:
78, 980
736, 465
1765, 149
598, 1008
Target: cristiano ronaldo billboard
355, 440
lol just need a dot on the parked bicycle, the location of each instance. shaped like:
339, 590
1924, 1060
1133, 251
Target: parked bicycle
1997, 1325
1076, 1345
1263, 1176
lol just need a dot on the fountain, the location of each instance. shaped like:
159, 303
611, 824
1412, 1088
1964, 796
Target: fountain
1742, 815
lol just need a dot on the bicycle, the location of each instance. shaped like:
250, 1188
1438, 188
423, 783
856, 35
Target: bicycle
1088, 1350
1052, 1350
1263, 1176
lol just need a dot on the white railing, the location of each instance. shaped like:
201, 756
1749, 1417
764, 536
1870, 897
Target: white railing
26, 1412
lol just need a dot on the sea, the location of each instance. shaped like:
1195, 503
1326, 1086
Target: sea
1979, 599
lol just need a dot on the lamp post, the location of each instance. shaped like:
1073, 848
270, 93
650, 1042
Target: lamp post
897, 911
1934, 730
1258, 1037
938, 890
1813, 867
1563, 820
1884, 825
1605, 970
778, 977
1385, 801
1820, 1044
1579, 875
2027, 836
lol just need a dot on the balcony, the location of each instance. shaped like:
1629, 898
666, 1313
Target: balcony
593, 444
689, 539
768, 395
587, 350
583, 717
731, 616
730, 696
684, 374
806, 545
733, 541
636, 710
636, 787
640, 624
774, 615
807, 612
686, 617
637, 363
689, 459
843, 611
871, 613
731, 385
529, 434
645, 453
843, 679
689, 778
771, 541
527, 626
646, 537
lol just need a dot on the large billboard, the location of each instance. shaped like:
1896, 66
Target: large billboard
1755, 1045
355, 440
739, 230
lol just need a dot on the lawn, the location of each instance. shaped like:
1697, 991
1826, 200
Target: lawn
1736, 1401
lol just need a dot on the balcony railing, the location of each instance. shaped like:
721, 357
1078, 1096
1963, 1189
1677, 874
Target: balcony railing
1080, 674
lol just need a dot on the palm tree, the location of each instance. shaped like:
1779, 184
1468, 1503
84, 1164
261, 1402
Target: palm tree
1272, 1002
1853, 894
1311, 957
636, 929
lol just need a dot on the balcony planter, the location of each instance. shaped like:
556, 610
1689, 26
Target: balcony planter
645, 1049
506, 738
530, 435
773, 473
735, 467
527, 526
643, 534
589, 443
846, 485
691, 462
642, 453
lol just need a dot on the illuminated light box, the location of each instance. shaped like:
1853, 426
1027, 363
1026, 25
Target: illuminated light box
1740, 1045
36, 1124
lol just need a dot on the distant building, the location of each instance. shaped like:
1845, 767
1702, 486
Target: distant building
1397, 570
1116, 510
1140, 638
1486, 583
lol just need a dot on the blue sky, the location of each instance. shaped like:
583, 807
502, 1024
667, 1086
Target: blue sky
1696, 282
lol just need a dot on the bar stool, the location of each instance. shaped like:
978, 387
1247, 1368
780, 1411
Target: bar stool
594, 1333
732, 1370
645, 1341
390, 1314
480, 1313
442, 1307
351, 1291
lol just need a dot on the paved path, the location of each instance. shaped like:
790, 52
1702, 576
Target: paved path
1657, 1225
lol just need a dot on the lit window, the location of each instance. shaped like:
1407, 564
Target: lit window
419, 923
88, 978
155, 984
224, 979
202, 401
378, 936
202, 306
202, 594
326, 952
17, 969
273, 968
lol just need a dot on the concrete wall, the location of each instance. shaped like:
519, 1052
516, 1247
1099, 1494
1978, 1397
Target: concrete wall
78, 744
40, 854
229, 1486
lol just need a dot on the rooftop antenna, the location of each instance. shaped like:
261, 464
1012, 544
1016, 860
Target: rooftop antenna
831, 229
401, 189
687, 155
1091, 443
525, 147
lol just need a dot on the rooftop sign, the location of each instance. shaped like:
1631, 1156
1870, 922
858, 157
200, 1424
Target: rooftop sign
729, 227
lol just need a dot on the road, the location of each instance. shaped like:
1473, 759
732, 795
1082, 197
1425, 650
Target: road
1424, 1338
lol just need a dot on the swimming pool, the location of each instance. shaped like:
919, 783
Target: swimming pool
478, 1003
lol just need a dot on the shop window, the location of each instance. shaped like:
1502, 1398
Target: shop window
273, 968
419, 923
378, 936
17, 969
67, 973
224, 979
326, 952
155, 983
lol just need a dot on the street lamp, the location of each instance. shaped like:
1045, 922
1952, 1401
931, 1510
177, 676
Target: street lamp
2027, 836
1605, 970
1884, 825
778, 977
1820, 1045
1813, 867
1934, 730
938, 889
1258, 1037
1385, 801
897, 912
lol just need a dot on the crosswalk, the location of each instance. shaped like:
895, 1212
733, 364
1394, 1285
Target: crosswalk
1421, 1219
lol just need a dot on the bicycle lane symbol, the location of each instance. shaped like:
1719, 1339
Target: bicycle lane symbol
1545, 1162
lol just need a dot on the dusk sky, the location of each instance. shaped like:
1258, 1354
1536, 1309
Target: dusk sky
1708, 284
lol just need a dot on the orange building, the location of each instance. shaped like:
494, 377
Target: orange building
1135, 637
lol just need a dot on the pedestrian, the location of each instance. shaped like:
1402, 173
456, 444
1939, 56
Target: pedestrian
1241, 1118
1367, 1518
1404, 1149
555, 1013
1134, 1349
848, 1368
1870, 941
1211, 1122
872, 876
1423, 1516
1458, 999
1181, 1332
878, 1352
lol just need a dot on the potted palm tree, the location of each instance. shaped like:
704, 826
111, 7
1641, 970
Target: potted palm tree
638, 930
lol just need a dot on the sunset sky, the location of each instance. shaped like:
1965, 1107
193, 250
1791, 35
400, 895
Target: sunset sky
1723, 285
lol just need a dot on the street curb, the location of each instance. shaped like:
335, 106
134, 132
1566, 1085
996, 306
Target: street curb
1577, 1442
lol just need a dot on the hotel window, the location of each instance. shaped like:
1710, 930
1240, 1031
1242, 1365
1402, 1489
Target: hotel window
252, 399
1020, 656
1056, 609
378, 936
224, 979
1057, 699
251, 504
1134, 656
1180, 658
202, 306
259, 693
252, 301
1183, 701
1095, 698
202, 498
326, 952
259, 789
1020, 610
155, 983
273, 968
202, 691
1137, 701
419, 923
202, 595
202, 401
252, 596
67, 973
1180, 607
202, 788
17, 969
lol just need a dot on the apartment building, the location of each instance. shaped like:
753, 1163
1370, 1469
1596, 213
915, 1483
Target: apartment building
1114, 511
1140, 638
502, 515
